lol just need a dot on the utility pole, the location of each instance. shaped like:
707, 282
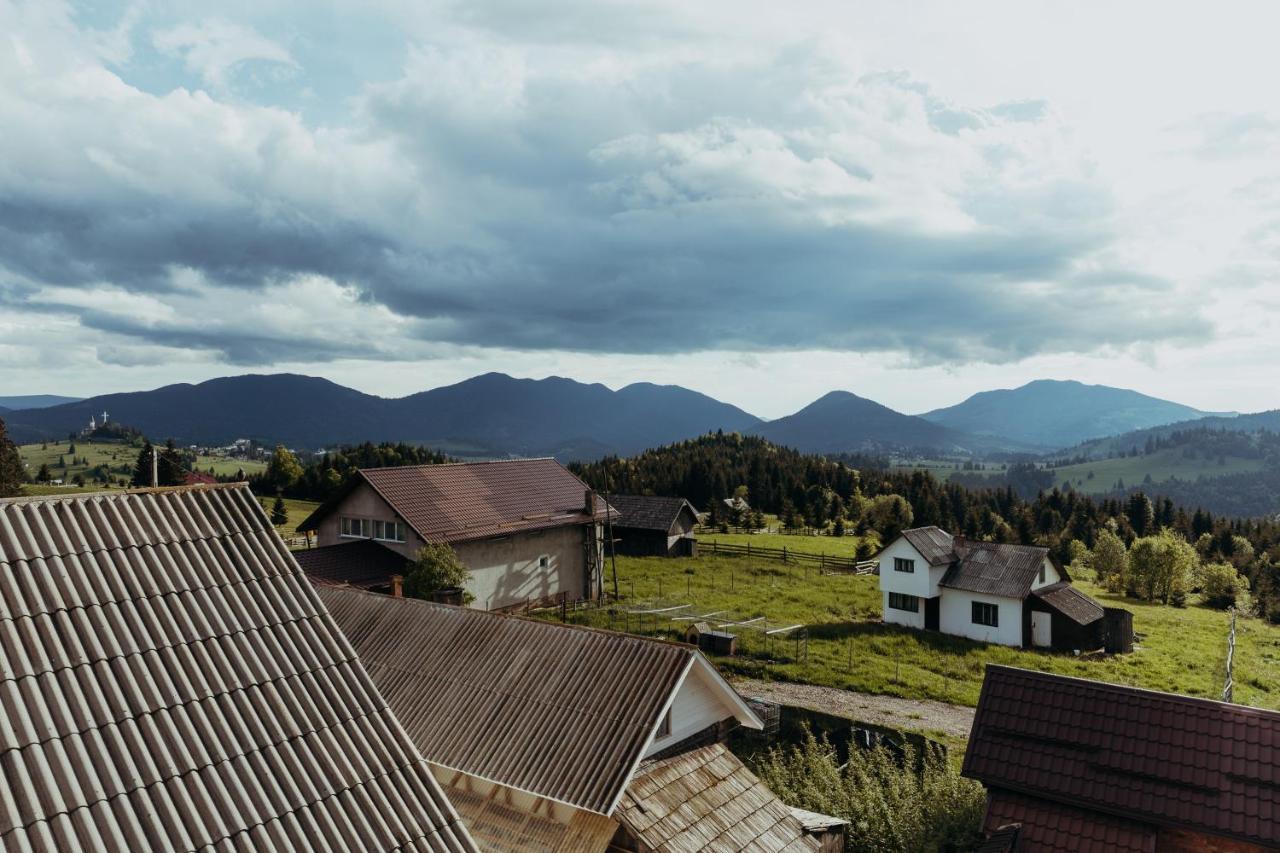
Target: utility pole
155, 467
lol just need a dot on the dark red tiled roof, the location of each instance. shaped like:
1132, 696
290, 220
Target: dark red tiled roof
1150, 757
461, 501
1070, 602
364, 564
1047, 827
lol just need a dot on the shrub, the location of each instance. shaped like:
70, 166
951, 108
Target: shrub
436, 566
1222, 585
908, 804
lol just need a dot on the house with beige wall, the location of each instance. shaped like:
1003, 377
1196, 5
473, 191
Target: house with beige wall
527, 529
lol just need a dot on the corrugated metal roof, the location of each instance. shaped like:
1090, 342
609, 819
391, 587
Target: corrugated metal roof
363, 563
1070, 602
499, 827
559, 711
1149, 757
706, 799
933, 543
458, 502
994, 569
647, 512
169, 680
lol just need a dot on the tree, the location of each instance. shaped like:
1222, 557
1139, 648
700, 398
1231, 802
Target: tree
436, 566
12, 473
279, 513
1110, 559
283, 470
1221, 585
168, 466
44, 475
1161, 568
898, 804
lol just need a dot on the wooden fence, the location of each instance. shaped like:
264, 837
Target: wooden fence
825, 562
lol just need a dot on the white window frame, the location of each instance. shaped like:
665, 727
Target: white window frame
391, 531
348, 523
905, 565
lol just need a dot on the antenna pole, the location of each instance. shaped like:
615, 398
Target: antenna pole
155, 467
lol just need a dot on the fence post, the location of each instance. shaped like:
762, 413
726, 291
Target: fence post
748, 549
784, 553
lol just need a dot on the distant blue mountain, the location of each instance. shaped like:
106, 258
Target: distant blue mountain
34, 401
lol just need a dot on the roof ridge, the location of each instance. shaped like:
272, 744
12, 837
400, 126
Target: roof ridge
672, 644
463, 463
1178, 698
110, 493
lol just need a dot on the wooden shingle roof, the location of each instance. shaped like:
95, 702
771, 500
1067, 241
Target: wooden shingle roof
559, 711
463, 501
170, 681
1142, 756
648, 512
706, 799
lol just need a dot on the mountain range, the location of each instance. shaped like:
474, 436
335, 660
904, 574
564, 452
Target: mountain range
496, 415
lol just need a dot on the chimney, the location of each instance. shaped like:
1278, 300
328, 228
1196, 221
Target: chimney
590, 503
397, 586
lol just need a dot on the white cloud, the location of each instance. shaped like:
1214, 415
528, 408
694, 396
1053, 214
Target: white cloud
214, 48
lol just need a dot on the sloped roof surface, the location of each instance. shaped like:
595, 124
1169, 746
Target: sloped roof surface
502, 828
646, 512
558, 711
460, 501
1048, 827
1149, 757
1070, 602
363, 563
706, 799
169, 680
995, 569
933, 543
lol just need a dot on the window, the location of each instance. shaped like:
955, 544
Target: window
544, 562
388, 531
356, 528
1042, 573
901, 564
986, 614
664, 727
898, 601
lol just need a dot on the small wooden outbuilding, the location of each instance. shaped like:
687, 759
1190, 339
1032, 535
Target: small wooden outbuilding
649, 526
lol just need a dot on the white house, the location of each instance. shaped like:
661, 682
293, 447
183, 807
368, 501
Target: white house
558, 738
1014, 595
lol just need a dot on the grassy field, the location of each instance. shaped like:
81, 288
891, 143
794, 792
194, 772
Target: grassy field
295, 509
1180, 650
1161, 465
846, 546
120, 458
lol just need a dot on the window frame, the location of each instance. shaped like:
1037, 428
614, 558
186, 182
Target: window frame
903, 598
906, 565
347, 523
981, 608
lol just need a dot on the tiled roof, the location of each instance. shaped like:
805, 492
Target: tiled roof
363, 563
646, 512
169, 680
1048, 827
706, 799
991, 568
458, 502
1148, 757
933, 543
558, 711
1070, 602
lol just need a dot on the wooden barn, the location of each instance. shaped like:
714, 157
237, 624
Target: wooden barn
650, 526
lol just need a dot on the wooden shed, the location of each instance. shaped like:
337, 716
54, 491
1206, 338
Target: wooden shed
648, 526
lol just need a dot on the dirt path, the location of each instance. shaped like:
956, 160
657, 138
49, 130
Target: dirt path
916, 714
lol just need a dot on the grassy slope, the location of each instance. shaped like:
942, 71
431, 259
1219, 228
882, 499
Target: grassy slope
829, 545
1181, 650
118, 456
1161, 465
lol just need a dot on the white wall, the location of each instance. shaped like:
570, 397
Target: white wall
956, 617
696, 706
893, 616
922, 582
364, 502
1050, 575
505, 572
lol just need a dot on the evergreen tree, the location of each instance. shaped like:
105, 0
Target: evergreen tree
168, 466
279, 513
43, 475
12, 474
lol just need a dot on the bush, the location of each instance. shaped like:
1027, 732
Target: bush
436, 567
906, 804
1221, 585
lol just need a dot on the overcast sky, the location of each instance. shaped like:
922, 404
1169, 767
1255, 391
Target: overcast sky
762, 201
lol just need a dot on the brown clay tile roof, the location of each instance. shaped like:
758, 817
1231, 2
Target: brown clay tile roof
363, 563
646, 512
462, 501
1070, 602
1144, 756
1048, 827
169, 680
706, 799
558, 711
